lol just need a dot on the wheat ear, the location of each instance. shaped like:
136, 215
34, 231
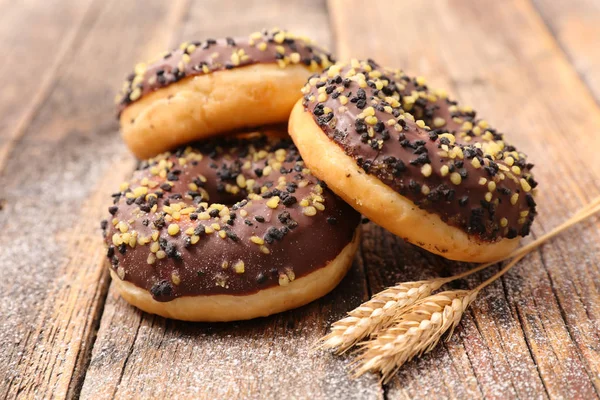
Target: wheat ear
377, 313
417, 329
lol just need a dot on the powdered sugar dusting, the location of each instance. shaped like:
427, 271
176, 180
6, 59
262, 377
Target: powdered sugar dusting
267, 358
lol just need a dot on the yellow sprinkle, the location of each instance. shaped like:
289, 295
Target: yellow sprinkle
154, 247
509, 161
257, 240
175, 278
309, 211
514, 198
503, 222
438, 122
491, 186
295, 58
455, 178
161, 254
262, 46
420, 123
525, 185
284, 280
151, 258
194, 239
371, 120
279, 37
482, 181
135, 94
444, 170
241, 181
123, 227
265, 250
516, 170
273, 202
173, 229
426, 170
239, 267
488, 197
140, 68
475, 163
116, 239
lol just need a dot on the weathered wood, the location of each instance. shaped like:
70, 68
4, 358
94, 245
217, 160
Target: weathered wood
61, 161
32, 60
140, 355
534, 334
576, 27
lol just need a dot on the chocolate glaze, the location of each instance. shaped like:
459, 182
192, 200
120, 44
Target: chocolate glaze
297, 241
425, 147
197, 58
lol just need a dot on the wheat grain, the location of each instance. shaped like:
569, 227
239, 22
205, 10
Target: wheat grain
416, 331
406, 320
376, 313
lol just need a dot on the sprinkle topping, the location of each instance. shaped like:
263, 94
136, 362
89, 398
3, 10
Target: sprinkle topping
196, 58
209, 219
426, 147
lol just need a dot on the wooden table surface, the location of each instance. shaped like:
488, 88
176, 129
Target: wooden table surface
531, 67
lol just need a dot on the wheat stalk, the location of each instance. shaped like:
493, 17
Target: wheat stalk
418, 329
407, 320
376, 313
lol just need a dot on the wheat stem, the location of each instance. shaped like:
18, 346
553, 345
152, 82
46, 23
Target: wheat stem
417, 327
582, 214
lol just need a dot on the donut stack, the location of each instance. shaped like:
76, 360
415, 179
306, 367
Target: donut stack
228, 218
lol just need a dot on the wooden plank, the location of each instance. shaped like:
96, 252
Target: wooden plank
576, 27
56, 177
137, 355
533, 334
32, 59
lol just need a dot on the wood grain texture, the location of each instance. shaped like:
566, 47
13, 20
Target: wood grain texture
534, 334
66, 157
576, 27
530, 67
32, 59
137, 355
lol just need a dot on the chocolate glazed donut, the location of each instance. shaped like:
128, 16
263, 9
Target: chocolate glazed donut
435, 174
210, 87
228, 229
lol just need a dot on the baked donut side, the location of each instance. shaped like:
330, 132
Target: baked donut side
224, 307
215, 86
443, 180
224, 222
